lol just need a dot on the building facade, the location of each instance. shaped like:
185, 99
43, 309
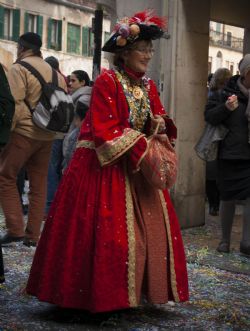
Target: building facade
225, 47
64, 26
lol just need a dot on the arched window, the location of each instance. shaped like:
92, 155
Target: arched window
219, 60
219, 54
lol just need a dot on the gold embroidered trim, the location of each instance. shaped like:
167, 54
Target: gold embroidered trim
113, 149
172, 268
85, 144
131, 242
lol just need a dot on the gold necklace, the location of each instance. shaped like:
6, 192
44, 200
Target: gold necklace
137, 99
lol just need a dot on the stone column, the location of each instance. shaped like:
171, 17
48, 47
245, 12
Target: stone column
184, 70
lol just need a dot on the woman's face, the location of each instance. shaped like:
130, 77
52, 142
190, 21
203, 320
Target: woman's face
74, 83
139, 56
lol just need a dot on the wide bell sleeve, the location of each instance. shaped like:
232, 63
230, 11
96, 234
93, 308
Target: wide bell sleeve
158, 109
110, 128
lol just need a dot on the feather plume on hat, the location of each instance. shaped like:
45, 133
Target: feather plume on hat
143, 25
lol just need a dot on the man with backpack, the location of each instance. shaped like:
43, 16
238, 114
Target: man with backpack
29, 144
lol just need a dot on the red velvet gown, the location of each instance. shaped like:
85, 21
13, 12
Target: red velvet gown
111, 240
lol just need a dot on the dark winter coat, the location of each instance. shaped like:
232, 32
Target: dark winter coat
7, 108
235, 145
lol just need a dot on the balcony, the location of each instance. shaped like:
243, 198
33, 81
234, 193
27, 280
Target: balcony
225, 40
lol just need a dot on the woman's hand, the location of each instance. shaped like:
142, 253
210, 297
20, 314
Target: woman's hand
232, 102
154, 122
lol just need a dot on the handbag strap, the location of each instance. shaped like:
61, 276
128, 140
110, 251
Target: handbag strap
156, 129
37, 74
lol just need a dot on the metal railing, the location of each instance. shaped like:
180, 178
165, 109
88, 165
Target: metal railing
224, 40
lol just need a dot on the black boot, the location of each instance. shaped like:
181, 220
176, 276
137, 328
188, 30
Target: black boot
7, 239
224, 247
213, 211
245, 248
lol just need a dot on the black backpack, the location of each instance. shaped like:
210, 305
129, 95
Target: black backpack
54, 110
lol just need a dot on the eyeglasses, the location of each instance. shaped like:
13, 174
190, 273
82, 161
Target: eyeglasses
144, 51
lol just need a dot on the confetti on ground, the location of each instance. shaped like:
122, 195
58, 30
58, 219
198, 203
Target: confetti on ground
219, 293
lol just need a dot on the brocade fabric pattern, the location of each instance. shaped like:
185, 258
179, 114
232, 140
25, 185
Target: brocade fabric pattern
87, 255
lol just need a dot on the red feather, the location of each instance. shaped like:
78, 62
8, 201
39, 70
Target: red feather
161, 22
148, 17
141, 16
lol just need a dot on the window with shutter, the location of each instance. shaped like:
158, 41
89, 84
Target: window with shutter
85, 41
16, 24
55, 34
40, 26
49, 33
91, 42
26, 22
8, 24
59, 36
73, 38
33, 23
1, 21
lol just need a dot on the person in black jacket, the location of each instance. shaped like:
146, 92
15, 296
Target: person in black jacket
231, 107
216, 85
7, 109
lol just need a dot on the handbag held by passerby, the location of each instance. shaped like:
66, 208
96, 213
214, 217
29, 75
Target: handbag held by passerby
208, 144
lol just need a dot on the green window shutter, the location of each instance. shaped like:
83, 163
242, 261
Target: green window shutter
16, 24
73, 38
40, 26
26, 22
59, 36
85, 41
77, 39
69, 36
1, 21
91, 42
49, 33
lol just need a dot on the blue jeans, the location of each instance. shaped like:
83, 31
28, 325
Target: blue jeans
54, 172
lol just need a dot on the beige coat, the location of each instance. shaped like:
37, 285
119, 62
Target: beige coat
24, 85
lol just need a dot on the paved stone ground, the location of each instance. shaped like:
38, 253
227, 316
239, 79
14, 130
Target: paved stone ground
219, 293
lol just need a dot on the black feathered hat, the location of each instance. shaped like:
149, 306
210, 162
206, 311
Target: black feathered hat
142, 26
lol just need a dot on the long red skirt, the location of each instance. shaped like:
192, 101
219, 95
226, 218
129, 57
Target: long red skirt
109, 239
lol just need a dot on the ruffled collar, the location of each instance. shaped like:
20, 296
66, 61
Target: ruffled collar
134, 75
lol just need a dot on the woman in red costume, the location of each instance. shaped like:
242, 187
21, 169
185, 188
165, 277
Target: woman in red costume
111, 240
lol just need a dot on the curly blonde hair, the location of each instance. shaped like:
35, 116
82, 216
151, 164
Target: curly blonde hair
219, 79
